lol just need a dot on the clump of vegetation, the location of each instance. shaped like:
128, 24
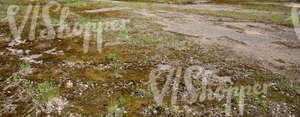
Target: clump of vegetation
39, 93
24, 66
46, 91
117, 109
112, 57
124, 33
42, 93
165, 1
143, 91
264, 104
115, 63
284, 84
239, 1
172, 110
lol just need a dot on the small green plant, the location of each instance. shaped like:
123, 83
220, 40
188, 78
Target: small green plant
112, 110
115, 108
264, 104
175, 109
15, 77
255, 96
46, 91
83, 20
143, 91
28, 86
284, 84
112, 57
130, 41
124, 33
148, 39
175, 48
165, 107
25, 66
115, 63
122, 101
297, 102
65, 73
237, 99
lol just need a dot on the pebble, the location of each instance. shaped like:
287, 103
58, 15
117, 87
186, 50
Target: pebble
69, 84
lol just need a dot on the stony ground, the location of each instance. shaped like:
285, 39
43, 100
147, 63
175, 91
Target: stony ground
57, 78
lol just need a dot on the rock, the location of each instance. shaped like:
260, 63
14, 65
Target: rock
68, 84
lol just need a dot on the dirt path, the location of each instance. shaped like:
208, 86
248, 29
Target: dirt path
274, 44
265, 42
216, 7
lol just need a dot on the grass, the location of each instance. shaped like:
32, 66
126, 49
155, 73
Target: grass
116, 109
266, 7
124, 33
264, 104
296, 102
259, 17
112, 57
143, 91
46, 91
165, 107
115, 63
283, 81
284, 84
15, 77
24, 66
266, 18
164, 1
240, 1
42, 93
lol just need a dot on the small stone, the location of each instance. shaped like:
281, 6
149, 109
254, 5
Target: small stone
69, 84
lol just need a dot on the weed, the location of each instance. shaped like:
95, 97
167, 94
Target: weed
266, 7
112, 109
148, 40
255, 96
24, 66
64, 73
45, 92
124, 33
83, 20
264, 104
130, 41
297, 102
115, 109
15, 77
175, 48
143, 91
115, 63
175, 109
284, 84
165, 107
28, 86
237, 99
122, 101
112, 57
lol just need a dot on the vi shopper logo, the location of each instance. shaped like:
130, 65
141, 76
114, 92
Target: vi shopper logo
41, 15
181, 85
